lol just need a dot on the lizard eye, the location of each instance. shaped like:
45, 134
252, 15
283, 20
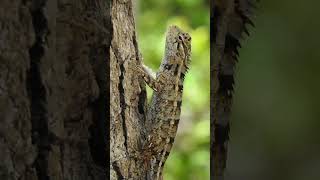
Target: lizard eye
167, 66
180, 37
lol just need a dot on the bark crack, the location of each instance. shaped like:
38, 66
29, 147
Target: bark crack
36, 90
117, 169
123, 105
98, 129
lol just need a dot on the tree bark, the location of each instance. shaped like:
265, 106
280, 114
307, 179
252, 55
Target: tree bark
229, 20
54, 89
128, 97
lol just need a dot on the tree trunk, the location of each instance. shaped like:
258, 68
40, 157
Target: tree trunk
128, 97
53, 89
229, 20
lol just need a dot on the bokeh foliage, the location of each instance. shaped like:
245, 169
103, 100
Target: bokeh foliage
276, 117
189, 158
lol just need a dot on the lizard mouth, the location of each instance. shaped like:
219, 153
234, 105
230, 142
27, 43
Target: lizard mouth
185, 51
185, 40
182, 44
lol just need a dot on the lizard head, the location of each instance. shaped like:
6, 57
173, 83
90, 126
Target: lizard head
178, 45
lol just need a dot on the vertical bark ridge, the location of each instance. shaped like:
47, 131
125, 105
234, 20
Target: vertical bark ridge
16, 38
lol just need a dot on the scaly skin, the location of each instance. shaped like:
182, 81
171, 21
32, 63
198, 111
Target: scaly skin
164, 110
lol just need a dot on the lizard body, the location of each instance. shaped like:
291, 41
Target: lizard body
164, 110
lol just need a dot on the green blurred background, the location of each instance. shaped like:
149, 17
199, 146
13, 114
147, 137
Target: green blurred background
190, 156
276, 118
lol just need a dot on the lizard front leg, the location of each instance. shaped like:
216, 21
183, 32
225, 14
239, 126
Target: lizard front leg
155, 83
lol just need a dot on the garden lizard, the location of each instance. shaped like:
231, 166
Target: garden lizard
164, 110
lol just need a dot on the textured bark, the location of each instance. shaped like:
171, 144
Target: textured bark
128, 97
229, 19
53, 89
16, 38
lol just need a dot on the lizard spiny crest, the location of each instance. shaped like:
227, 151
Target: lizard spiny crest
177, 48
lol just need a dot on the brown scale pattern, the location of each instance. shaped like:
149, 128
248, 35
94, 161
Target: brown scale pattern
164, 110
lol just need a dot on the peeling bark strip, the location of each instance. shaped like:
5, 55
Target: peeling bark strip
54, 89
229, 19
